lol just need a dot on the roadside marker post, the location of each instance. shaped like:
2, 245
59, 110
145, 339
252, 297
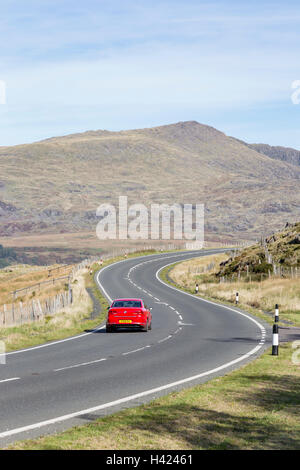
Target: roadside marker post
197, 288
276, 313
237, 298
275, 341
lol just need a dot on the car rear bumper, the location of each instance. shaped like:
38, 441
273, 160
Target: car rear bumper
126, 325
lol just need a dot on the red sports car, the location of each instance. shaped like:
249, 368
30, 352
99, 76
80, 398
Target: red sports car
128, 313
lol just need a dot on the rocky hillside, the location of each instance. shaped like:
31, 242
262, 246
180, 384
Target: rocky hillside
280, 249
56, 185
284, 154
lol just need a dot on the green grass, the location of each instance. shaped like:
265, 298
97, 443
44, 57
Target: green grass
29, 335
255, 407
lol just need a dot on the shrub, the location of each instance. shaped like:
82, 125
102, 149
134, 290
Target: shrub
262, 268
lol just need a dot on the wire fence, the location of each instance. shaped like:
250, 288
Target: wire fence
38, 285
279, 272
36, 310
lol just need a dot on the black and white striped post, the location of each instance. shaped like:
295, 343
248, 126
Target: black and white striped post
276, 313
237, 298
275, 341
197, 288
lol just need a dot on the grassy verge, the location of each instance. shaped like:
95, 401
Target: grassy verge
255, 407
255, 297
71, 321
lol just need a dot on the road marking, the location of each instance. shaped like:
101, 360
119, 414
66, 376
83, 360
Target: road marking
138, 395
135, 350
126, 399
79, 365
10, 380
261, 327
177, 331
165, 339
55, 342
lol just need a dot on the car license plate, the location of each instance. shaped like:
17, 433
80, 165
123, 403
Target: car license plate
125, 321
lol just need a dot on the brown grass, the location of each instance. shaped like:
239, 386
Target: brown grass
260, 295
17, 277
70, 321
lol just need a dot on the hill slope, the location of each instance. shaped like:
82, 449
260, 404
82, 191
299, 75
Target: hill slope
284, 154
280, 249
57, 184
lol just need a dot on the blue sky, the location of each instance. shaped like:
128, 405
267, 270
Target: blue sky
71, 66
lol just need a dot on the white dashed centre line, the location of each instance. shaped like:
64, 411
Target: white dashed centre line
79, 365
135, 350
10, 380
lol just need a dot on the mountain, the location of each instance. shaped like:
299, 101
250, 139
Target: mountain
284, 154
55, 185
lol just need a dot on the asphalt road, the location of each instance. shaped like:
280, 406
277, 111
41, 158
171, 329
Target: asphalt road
55, 386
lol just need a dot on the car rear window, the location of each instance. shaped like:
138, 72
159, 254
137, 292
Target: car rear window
127, 303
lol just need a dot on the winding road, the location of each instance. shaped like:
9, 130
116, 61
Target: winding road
52, 387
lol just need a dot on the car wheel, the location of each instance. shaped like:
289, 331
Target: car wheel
150, 326
109, 329
146, 327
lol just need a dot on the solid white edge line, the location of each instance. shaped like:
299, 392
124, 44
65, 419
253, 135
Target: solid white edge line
54, 342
